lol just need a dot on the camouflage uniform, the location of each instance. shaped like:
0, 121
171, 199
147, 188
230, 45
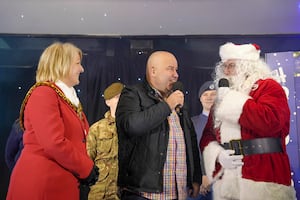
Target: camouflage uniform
102, 147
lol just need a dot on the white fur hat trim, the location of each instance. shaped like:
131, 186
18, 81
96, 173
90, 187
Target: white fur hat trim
243, 51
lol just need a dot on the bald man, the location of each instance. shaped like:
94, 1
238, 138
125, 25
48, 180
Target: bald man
158, 150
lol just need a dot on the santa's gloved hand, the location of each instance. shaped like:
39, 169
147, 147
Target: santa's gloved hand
228, 160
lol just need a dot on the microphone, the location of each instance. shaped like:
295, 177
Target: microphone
178, 86
223, 82
223, 88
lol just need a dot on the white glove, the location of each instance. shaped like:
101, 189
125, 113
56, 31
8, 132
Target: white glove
230, 161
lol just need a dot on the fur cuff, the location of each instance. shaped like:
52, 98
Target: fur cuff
210, 156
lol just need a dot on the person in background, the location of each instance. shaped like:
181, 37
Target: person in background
158, 151
14, 145
102, 147
54, 163
207, 95
243, 143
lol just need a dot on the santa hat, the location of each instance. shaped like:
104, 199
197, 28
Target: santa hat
243, 51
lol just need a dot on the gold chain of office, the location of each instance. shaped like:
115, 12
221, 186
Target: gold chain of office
77, 109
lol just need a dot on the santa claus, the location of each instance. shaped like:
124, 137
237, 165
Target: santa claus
243, 143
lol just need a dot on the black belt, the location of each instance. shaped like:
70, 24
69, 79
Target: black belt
254, 146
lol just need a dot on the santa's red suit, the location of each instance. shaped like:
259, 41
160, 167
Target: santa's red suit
263, 113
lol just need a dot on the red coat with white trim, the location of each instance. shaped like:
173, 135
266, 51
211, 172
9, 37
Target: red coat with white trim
54, 154
262, 113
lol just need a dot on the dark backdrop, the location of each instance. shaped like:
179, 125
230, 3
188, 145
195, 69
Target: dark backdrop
110, 59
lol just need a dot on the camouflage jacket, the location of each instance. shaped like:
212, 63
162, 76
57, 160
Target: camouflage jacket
102, 147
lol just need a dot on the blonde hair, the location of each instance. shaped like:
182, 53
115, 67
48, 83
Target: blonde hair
55, 61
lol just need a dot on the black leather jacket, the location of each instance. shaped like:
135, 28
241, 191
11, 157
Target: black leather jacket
143, 133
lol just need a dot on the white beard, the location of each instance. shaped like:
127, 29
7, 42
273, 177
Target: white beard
242, 83
237, 83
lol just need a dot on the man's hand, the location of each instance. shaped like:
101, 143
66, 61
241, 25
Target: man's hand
205, 186
174, 99
194, 192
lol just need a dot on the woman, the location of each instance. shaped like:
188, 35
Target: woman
54, 157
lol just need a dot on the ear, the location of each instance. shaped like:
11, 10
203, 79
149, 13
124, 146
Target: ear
107, 102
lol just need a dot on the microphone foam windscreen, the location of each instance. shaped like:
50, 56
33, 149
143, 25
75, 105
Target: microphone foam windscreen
177, 86
223, 82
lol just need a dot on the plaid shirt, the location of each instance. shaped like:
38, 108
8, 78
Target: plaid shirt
174, 172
